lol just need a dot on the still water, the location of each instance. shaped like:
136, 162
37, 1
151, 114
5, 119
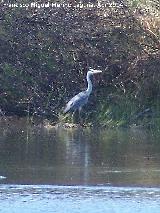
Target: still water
78, 170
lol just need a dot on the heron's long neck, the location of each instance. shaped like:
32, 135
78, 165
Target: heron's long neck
89, 88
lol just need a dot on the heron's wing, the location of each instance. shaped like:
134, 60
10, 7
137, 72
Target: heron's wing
77, 101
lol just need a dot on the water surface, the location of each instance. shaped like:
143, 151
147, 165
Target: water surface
78, 170
36, 155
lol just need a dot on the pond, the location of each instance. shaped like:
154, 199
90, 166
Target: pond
78, 169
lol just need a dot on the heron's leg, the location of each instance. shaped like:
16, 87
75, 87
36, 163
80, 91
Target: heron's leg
80, 118
73, 115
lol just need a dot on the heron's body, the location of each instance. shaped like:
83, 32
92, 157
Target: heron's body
78, 101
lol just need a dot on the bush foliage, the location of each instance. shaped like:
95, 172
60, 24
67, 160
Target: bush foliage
46, 52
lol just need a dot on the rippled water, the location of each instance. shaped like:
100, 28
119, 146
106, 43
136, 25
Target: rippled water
78, 170
76, 199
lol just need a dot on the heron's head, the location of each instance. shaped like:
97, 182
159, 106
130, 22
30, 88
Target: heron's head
93, 71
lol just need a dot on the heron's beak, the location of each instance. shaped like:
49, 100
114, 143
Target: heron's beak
96, 71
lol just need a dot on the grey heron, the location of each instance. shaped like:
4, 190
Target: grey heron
78, 101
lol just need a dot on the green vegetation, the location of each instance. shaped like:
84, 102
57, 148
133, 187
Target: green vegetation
46, 51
